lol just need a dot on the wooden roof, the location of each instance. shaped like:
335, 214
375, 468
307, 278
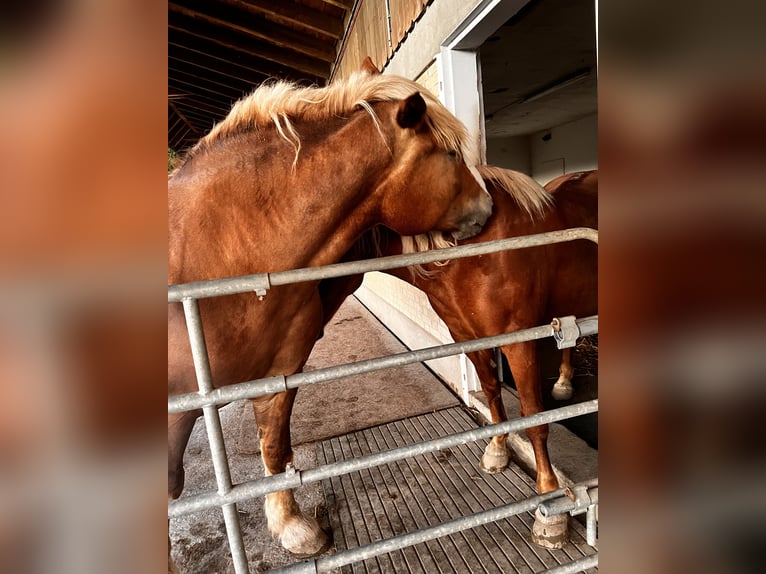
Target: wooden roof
219, 50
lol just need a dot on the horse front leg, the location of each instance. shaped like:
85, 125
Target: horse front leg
298, 533
549, 532
495, 458
563, 389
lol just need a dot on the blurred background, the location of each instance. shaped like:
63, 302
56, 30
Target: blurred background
682, 156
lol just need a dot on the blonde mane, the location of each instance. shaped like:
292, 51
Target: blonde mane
282, 103
529, 195
525, 191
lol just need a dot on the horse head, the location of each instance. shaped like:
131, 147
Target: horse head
432, 185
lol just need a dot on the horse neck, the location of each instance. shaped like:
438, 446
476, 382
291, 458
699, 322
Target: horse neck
509, 219
315, 208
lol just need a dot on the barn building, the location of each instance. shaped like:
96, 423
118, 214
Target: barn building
520, 74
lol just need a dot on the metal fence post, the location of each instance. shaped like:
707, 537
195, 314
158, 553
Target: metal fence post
215, 434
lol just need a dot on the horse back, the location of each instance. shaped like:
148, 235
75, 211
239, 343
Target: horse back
573, 281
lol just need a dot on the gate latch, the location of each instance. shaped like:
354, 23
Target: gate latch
263, 287
565, 331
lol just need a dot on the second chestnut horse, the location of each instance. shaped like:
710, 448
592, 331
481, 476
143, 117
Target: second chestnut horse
506, 291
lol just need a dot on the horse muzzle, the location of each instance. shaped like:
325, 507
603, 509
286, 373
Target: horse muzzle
472, 224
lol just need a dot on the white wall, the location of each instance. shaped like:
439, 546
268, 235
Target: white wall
572, 146
406, 311
510, 152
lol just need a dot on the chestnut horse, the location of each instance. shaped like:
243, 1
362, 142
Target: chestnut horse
290, 179
584, 182
502, 292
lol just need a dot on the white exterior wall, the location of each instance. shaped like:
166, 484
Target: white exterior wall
573, 146
406, 311
510, 152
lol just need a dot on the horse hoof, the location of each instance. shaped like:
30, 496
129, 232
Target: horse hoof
562, 390
304, 538
495, 459
550, 531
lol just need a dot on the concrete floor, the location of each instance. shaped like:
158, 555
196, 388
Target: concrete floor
322, 411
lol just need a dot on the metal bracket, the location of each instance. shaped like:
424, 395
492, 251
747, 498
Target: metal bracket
261, 291
565, 331
576, 500
581, 497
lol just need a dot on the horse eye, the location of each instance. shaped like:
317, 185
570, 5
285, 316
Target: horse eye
452, 153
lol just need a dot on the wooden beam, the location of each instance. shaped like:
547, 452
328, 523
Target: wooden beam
345, 4
217, 67
182, 141
216, 105
180, 115
196, 115
249, 25
195, 48
245, 45
204, 104
225, 100
173, 122
178, 135
233, 89
212, 76
297, 15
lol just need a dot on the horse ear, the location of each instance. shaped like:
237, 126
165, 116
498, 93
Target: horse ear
369, 67
411, 111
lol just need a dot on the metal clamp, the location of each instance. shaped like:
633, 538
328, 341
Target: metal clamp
261, 290
565, 331
576, 500
582, 498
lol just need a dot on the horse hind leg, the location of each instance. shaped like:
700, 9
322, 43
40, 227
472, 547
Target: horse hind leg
495, 458
298, 533
563, 389
549, 532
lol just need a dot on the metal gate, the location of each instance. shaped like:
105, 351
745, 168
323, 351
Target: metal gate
580, 498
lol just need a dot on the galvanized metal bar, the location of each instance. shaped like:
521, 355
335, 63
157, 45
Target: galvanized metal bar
215, 434
327, 563
234, 536
261, 282
251, 389
580, 565
208, 397
577, 503
295, 478
591, 526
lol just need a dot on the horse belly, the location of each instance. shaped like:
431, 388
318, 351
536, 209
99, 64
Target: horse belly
574, 289
246, 339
